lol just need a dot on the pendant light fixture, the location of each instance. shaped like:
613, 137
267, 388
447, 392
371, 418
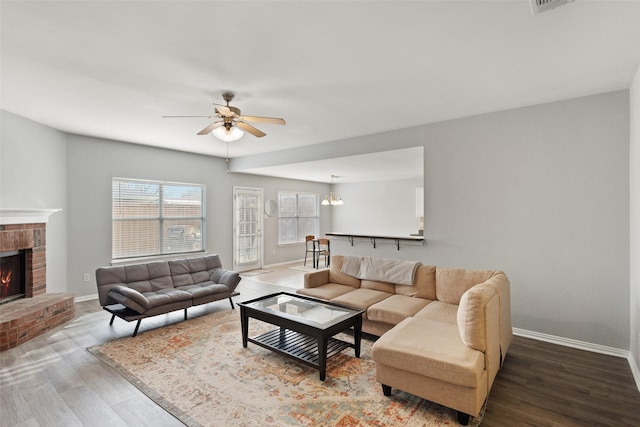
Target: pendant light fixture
332, 199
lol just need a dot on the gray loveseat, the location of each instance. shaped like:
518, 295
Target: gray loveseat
133, 292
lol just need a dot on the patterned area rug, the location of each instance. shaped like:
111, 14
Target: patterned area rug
198, 371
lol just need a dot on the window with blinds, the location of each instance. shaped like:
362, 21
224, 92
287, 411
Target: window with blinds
156, 218
298, 216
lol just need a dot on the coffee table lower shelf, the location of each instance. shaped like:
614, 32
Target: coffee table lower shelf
301, 347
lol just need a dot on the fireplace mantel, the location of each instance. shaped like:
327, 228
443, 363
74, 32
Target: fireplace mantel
25, 216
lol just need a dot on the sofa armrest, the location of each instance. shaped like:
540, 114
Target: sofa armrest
314, 279
478, 320
130, 298
475, 315
226, 277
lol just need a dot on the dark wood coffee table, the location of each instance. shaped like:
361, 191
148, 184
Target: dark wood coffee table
307, 327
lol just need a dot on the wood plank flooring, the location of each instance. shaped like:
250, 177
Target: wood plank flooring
542, 384
53, 380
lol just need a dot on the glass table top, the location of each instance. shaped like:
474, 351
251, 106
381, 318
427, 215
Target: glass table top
307, 311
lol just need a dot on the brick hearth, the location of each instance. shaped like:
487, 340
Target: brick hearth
27, 318
38, 312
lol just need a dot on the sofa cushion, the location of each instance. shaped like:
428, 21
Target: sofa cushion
326, 292
200, 290
145, 301
213, 262
361, 298
228, 278
336, 276
424, 284
395, 309
389, 288
106, 279
159, 275
138, 277
110, 275
429, 348
180, 272
198, 270
440, 312
472, 316
451, 283
166, 296
136, 272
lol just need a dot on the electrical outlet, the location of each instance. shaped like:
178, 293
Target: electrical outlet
86, 277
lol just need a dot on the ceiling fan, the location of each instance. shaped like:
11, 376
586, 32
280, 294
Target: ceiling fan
231, 123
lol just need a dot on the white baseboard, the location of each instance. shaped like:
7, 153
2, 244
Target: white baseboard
634, 370
280, 264
86, 298
568, 342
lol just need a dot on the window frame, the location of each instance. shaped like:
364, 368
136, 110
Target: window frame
298, 218
162, 218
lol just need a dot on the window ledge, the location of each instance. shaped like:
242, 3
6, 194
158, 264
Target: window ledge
140, 260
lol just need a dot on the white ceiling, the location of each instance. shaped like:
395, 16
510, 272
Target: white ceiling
332, 69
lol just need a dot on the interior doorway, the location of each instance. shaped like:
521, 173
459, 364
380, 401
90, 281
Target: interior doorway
247, 228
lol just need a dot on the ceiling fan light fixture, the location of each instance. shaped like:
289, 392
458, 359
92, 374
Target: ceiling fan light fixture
228, 135
230, 125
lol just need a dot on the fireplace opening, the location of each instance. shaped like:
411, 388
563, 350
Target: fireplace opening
12, 276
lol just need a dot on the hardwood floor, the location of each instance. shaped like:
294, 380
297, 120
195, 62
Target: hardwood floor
53, 380
542, 384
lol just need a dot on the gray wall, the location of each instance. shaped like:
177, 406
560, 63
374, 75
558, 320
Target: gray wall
380, 207
540, 192
92, 163
634, 162
33, 175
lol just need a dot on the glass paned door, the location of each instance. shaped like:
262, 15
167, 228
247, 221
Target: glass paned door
247, 228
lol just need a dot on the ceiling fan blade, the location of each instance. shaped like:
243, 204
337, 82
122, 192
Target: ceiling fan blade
171, 117
273, 120
224, 111
253, 131
209, 128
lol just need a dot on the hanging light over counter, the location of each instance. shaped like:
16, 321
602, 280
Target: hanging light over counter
332, 199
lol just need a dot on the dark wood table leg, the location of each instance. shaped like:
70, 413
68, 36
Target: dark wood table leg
283, 336
244, 322
322, 357
357, 335
315, 261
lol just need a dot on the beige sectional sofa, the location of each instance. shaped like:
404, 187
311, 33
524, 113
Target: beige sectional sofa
443, 337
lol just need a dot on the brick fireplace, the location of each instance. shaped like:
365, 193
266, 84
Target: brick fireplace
35, 311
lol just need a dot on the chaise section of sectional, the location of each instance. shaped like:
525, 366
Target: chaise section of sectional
443, 338
134, 292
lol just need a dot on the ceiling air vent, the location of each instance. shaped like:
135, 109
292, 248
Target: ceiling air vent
539, 6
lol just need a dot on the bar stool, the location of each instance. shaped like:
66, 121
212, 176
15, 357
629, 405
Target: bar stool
324, 248
310, 243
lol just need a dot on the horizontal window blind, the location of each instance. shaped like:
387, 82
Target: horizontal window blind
156, 218
298, 216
